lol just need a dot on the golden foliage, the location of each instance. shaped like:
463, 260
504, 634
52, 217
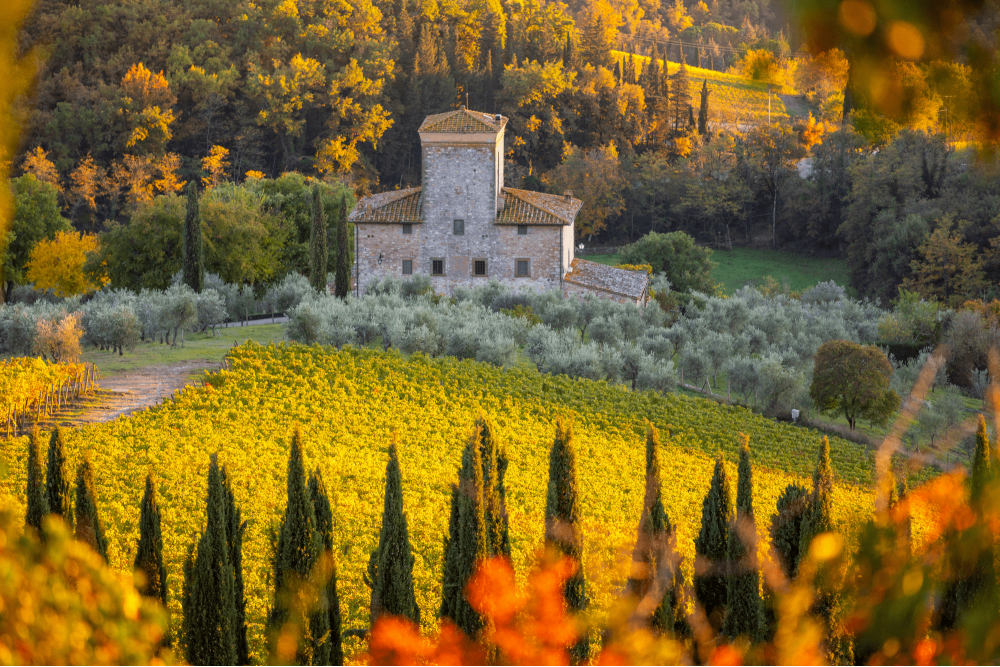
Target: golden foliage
59, 338
86, 182
594, 176
216, 165
37, 163
57, 264
30, 384
146, 101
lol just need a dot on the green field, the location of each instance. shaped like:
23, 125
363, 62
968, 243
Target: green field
749, 266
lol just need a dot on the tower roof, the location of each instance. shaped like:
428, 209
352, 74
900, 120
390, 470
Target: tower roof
395, 206
462, 121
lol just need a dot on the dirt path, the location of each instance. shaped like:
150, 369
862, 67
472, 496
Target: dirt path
134, 390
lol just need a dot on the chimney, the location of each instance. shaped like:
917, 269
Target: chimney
498, 118
462, 107
568, 195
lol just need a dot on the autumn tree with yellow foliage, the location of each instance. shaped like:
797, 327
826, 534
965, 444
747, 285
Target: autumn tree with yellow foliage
594, 176
57, 264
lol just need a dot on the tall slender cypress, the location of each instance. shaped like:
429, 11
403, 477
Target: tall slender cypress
703, 109
981, 460
655, 544
744, 608
37, 500
296, 554
390, 568
324, 526
149, 555
342, 277
194, 251
210, 610
318, 250
451, 586
494, 458
712, 544
818, 519
57, 484
562, 524
786, 527
235, 530
88, 523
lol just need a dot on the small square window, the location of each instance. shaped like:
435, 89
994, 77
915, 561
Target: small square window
437, 267
479, 267
407, 229
407, 267
522, 230
459, 227
522, 268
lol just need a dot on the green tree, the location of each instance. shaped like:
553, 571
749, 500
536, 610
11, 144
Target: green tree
562, 524
853, 379
88, 522
318, 250
786, 526
235, 530
210, 619
680, 96
598, 32
342, 277
57, 484
981, 472
494, 458
451, 586
37, 217
390, 568
149, 554
745, 610
194, 253
594, 176
703, 109
471, 541
37, 500
324, 526
948, 269
712, 544
818, 517
687, 266
297, 551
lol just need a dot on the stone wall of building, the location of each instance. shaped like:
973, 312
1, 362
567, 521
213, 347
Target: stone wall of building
579, 291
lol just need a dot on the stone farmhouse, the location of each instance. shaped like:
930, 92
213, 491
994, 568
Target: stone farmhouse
463, 227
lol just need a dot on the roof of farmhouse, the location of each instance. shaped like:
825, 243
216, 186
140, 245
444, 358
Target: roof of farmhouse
593, 275
520, 207
462, 121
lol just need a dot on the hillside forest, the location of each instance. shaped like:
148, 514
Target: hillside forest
724, 120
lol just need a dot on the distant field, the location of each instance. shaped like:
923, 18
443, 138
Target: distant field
733, 99
742, 266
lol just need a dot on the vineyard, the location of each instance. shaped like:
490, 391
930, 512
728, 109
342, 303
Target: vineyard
31, 388
350, 404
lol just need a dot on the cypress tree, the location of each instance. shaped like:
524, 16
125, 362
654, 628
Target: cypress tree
390, 568
194, 252
88, 523
818, 516
472, 539
569, 54
318, 250
980, 461
712, 544
57, 485
342, 269
745, 610
562, 524
680, 96
703, 109
298, 549
37, 500
655, 543
235, 530
494, 457
210, 619
451, 587
149, 555
324, 526
786, 527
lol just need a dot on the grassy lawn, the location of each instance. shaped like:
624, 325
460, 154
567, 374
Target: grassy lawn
197, 347
740, 266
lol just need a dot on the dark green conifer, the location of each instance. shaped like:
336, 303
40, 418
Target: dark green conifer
744, 608
818, 518
318, 249
57, 484
235, 530
149, 555
210, 619
712, 544
88, 523
980, 460
194, 252
562, 524
786, 527
324, 526
298, 549
494, 457
390, 568
703, 109
37, 500
473, 541
342, 276
569, 53
451, 587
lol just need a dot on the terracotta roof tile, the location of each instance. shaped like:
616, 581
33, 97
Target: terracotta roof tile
524, 207
394, 206
592, 275
462, 121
